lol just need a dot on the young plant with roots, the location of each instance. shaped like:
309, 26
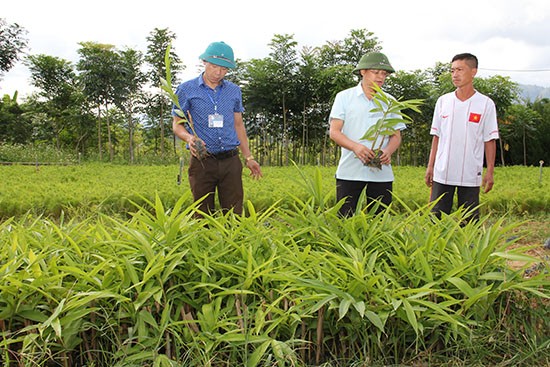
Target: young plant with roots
166, 86
385, 127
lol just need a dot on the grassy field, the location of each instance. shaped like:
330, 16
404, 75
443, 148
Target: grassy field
105, 265
520, 193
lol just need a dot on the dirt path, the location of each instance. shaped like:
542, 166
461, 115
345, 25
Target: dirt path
534, 233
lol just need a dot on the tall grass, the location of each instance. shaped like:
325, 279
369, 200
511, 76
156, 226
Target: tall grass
35, 153
110, 189
288, 285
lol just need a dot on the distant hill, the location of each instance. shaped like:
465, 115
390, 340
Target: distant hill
533, 92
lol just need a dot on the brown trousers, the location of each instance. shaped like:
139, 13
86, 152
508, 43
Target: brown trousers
224, 175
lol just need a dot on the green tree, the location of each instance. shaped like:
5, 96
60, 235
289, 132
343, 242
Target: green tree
284, 63
517, 131
416, 144
501, 89
289, 95
157, 43
57, 102
268, 85
12, 44
102, 72
504, 93
349, 50
440, 78
541, 142
130, 100
337, 59
311, 121
258, 97
15, 125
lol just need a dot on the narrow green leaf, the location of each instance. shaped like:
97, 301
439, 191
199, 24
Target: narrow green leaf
375, 319
462, 286
256, 356
411, 316
344, 307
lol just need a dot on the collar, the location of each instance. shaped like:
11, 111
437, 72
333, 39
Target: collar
201, 82
359, 89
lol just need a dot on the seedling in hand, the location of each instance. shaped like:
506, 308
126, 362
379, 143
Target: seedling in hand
166, 86
392, 115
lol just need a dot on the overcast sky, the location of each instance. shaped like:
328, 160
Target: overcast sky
510, 38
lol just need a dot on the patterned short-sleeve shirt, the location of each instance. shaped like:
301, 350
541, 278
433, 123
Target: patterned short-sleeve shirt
201, 101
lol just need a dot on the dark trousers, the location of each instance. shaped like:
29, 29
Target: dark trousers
467, 197
224, 175
351, 191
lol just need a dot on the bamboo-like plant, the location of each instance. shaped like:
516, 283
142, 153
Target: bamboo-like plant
289, 285
392, 115
166, 86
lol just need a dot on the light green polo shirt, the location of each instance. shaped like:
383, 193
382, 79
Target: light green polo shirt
353, 107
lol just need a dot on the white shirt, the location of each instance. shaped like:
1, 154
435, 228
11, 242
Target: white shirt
463, 127
353, 107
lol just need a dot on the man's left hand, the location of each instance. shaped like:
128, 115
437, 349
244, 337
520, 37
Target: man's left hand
254, 167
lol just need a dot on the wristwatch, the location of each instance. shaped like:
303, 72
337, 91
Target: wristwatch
249, 158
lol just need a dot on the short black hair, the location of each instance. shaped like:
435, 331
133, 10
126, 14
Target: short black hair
470, 59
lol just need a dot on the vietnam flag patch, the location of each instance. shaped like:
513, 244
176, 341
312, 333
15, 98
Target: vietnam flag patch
475, 117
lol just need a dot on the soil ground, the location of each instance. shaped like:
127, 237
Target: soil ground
535, 233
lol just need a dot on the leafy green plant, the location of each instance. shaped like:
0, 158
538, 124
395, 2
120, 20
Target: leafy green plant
296, 286
392, 115
166, 86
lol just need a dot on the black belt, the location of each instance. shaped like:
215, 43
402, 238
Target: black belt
225, 154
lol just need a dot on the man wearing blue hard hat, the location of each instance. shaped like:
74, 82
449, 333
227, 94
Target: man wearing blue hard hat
216, 132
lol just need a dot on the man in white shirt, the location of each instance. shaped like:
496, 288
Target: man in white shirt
464, 129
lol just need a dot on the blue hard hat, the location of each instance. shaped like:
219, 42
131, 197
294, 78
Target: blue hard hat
219, 53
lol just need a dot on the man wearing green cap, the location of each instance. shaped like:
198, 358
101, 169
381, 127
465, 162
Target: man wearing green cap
350, 118
214, 108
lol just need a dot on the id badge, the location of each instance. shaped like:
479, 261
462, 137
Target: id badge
215, 120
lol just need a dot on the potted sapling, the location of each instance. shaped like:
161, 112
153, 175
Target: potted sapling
385, 126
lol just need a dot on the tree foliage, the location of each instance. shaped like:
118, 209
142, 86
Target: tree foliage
102, 73
517, 130
157, 44
12, 43
541, 141
115, 95
15, 126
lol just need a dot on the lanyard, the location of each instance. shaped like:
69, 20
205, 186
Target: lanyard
214, 102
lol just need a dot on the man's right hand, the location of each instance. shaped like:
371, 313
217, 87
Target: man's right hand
197, 147
363, 153
429, 177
